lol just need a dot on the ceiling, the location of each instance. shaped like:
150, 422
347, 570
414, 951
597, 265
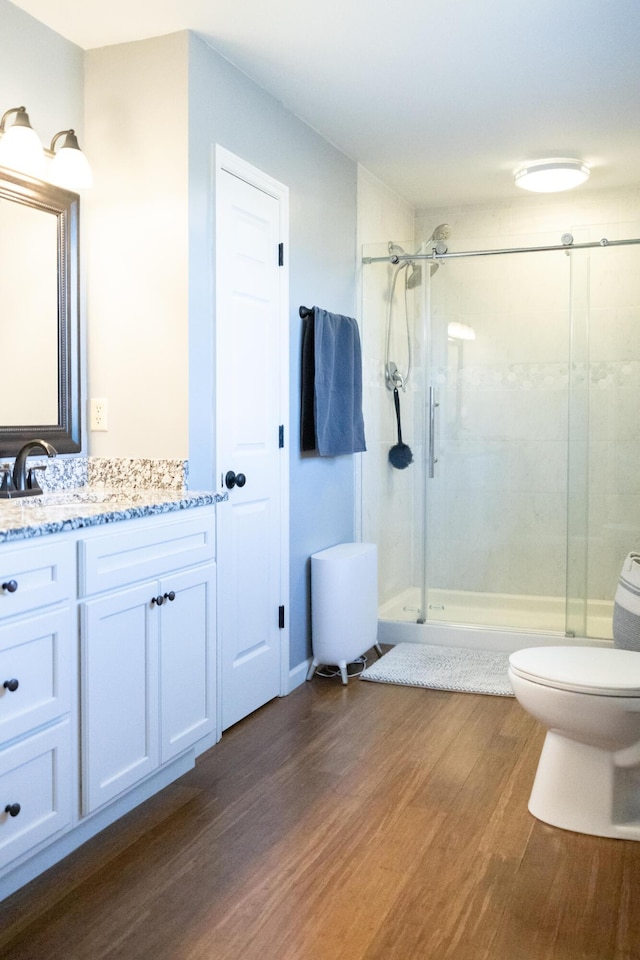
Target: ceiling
441, 99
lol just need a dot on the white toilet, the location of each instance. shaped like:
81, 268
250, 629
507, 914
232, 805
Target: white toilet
588, 776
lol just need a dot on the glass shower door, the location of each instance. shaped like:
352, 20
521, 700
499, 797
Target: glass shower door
604, 464
496, 506
393, 499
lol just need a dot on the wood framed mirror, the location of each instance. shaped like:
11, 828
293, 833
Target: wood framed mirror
39, 314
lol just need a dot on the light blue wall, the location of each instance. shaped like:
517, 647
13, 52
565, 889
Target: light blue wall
229, 109
42, 71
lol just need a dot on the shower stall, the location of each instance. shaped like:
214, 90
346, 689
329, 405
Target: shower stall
518, 373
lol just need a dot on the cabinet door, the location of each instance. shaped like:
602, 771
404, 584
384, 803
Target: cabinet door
119, 692
187, 659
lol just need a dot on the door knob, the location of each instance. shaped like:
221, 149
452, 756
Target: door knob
234, 480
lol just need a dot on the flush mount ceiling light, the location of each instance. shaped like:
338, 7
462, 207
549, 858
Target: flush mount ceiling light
551, 175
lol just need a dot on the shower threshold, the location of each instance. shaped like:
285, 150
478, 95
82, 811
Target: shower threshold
495, 610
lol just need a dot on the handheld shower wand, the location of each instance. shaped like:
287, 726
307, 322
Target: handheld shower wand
439, 237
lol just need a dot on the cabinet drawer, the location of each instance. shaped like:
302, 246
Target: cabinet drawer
35, 654
35, 774
35, 576
148, 551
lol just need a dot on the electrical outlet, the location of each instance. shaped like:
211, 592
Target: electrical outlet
99, 413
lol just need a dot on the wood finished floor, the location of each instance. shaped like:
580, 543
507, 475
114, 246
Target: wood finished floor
368, 823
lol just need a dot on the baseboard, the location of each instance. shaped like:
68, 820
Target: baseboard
298, 675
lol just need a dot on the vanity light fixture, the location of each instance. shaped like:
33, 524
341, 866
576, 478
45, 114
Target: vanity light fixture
20, 146
69, 167
551, 175
21, 150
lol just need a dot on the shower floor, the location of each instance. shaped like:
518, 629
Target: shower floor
522, 612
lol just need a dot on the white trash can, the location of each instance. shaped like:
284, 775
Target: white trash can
344, 604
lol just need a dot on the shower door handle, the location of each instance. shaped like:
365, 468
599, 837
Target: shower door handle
433, 403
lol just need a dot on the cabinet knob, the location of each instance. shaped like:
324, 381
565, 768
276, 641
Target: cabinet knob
170, 596
13, 809
159, 600
10, 586
11, 685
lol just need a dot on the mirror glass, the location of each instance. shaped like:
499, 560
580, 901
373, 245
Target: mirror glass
39, 395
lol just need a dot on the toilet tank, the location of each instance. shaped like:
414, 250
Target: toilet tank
344, 601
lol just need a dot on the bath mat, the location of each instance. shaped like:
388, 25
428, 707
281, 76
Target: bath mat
457, 669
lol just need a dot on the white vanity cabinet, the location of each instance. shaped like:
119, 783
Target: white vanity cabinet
146, 651
37, 730
107, 676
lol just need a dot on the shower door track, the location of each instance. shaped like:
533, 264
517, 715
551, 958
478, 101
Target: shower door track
436, 257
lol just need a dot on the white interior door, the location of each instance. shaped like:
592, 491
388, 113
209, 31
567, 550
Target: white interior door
251, 403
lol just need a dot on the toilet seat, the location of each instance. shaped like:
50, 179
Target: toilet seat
600, 671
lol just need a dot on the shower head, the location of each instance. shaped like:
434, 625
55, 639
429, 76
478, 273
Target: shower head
414, 277
442, 232
439, 238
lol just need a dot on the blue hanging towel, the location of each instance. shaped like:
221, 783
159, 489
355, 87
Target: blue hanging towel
332, 421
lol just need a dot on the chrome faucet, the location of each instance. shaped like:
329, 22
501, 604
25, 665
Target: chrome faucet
21, 483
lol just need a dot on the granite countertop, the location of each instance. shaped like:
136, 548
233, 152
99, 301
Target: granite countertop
26, 517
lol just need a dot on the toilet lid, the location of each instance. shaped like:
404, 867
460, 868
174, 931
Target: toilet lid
597, 670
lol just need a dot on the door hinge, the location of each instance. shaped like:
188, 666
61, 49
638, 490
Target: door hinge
281, 617
281, 254
281, 436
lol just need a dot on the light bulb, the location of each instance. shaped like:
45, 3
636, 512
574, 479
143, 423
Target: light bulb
20, 146
70, 168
